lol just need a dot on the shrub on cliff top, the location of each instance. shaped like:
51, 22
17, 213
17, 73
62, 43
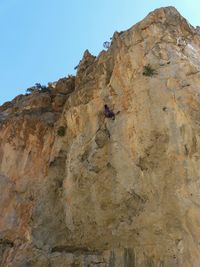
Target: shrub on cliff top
106, 44
37, 87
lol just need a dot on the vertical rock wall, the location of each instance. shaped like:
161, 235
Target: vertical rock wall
108, 193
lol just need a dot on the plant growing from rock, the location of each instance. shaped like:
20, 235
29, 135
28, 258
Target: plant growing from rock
61, 131
37, 88
106, 44
149, 71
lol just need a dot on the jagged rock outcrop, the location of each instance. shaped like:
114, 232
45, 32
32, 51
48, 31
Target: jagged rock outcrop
108, 193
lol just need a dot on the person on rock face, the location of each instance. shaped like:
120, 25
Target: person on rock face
108, 113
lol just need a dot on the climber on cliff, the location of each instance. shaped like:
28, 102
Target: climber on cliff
108, 113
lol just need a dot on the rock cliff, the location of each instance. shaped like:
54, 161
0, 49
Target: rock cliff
78, 189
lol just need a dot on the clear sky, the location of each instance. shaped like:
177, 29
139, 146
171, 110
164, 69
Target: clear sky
43, 40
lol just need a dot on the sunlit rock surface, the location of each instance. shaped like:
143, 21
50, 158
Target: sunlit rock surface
108, 193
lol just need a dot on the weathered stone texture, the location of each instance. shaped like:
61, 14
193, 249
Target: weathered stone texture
109, 193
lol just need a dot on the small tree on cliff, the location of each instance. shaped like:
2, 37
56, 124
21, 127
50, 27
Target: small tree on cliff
37, 88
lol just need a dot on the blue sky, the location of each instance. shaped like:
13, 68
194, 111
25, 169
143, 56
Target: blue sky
43, 40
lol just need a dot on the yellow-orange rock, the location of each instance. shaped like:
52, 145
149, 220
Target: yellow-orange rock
108, 193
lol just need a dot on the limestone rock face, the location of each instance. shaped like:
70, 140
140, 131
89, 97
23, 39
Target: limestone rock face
108, 193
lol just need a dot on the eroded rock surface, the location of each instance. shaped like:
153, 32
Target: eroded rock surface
109, 193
